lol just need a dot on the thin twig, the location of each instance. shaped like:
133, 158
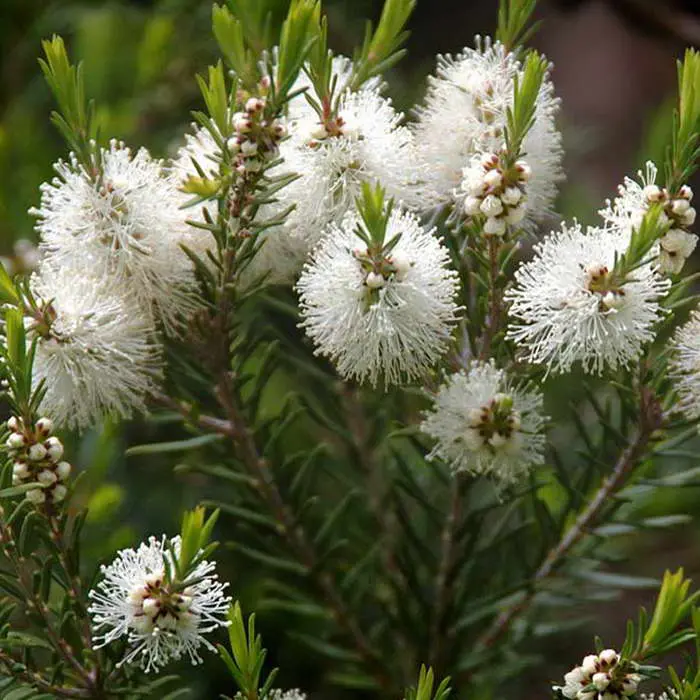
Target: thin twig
495, 300
651, 420
447, 558
267, 486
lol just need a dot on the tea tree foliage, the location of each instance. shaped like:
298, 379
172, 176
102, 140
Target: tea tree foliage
351, 326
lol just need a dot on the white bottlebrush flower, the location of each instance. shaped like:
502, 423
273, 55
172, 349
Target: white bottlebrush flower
464, 114
95, 351
565, 308
391, 323
627, 211
135, 600
685, 366
369, 145
600, 677
128, 224
484, 425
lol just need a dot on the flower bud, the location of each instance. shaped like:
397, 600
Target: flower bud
493, 178
63, 470
689, 217
524, 170
471, 205
47, 477
151, 607
653, 193
511, 196
374, 280
515, 215
686, 193
601, 680
254, 104
54, 448
44, 426
402, 266
495, 227
491, 206
59, 493
35, 496
16, 441
37, 452
590, 664
14, 424
608, 657
20, 470
680, 206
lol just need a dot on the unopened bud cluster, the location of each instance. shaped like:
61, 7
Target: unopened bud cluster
599, 280
677, 244
600, 677
379, 269
496, 192
155, 607
257, 136
495, 426
37, 458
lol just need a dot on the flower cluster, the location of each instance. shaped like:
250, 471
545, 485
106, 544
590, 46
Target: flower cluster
678, 215
37, 459
163, 620
124, 225
568, 305
483, 425
495, 191
95, 349
378, 314
465, 115
600, 677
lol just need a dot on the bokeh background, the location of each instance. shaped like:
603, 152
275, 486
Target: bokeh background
615, 72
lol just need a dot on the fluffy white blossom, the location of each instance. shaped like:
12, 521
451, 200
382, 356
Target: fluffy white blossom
566, 306
376, 319
464, 114
368, 144
95, 350
135, 600
685, 366
627, 210
600, 677
127, 224
482, 424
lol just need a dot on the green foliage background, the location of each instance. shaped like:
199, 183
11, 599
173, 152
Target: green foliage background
140, 59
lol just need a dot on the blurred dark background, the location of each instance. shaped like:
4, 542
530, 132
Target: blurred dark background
615, 70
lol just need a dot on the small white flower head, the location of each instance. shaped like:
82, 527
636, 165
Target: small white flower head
135, 600
685, 366
125, 227
627, 210
368, 144
465, 115
482, 424
566, 306
375, 317
600, 677
95, 351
